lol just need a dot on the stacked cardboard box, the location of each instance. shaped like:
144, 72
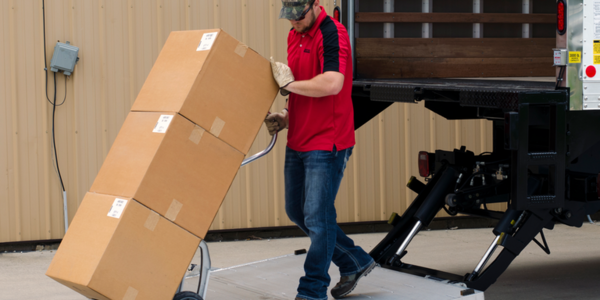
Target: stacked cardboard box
116, 248
172, 166
169, 169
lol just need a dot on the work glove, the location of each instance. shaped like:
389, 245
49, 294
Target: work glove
283, 75
276, 122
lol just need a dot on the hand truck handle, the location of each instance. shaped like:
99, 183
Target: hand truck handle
261, 153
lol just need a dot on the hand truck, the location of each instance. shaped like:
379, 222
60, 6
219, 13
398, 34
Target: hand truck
205, 266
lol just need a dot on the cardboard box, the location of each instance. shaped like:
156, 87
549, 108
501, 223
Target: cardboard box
215, 81
172, 166
116, 248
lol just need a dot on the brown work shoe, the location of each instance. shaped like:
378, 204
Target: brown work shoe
298, 298
348, 283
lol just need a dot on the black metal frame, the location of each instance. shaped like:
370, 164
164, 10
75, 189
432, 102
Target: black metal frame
545, 114
553, 154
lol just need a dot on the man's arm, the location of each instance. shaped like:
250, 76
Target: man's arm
326, 84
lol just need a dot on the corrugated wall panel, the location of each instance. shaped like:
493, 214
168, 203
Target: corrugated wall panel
5, 214
119, 41
7, 92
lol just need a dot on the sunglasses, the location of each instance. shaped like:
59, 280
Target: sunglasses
303, 15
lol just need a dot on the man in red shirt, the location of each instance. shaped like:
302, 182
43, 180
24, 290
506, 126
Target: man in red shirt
320, 119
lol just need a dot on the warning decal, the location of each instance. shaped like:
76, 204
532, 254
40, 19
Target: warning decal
597, 59
575, 57
596, 47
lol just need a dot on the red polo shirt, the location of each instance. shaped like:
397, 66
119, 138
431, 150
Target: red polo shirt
321, 123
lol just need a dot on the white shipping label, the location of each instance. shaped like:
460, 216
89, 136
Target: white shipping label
117, 208
163, 123
208, 39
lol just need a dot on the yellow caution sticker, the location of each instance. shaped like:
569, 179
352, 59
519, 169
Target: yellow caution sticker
574, 57
597, 59
596, 47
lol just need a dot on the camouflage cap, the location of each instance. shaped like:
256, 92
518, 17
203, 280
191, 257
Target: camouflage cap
292, 9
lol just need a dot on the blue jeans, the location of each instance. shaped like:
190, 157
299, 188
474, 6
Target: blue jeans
312, 180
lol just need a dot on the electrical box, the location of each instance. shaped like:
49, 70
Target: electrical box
64, 58
560, 57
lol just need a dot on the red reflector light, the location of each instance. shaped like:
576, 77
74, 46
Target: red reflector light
424, 163
590, 71
561, 17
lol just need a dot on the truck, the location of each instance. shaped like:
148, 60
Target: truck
545, 161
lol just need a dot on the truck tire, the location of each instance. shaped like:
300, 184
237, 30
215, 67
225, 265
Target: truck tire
187, 296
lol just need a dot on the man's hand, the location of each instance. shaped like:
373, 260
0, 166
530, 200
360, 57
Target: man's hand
283, 75
276, 122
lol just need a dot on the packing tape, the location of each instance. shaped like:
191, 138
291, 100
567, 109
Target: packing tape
131, 294
173, 210
152, 221
241, 49
217, 126
196, 135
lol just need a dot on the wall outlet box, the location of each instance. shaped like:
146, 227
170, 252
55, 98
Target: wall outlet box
64, 58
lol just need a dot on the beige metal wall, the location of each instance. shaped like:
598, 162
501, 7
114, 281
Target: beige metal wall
119, 41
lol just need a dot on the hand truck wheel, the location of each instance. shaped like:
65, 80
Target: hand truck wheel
187, 296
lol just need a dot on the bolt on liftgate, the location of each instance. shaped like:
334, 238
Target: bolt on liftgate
536, 167
545, 163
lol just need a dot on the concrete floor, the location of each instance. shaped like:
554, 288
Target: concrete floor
570, 272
